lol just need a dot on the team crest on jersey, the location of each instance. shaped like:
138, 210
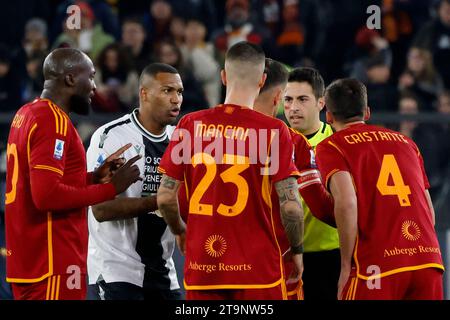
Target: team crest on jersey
99, 161
59, 149
102, 140
138, 149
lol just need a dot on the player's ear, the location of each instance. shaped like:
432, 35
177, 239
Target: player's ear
263, 80
69, 80
366, 113
223, 76
321, 103
329, 117
277, 98
143, 94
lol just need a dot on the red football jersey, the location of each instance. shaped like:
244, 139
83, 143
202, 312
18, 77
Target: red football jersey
46, 195
395, 228
229, 157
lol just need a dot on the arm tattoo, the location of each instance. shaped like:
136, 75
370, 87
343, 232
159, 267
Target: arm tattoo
287, 190
291, 210
168, 204
168, 182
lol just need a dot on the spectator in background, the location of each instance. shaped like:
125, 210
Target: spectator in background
435, 36
193, 96
397, 27
369, 44
34, 82
102, 11
35, 41
423, 134
421, 77
91, 39
270, 13
157, 21
443, 105
199, 56
443, 131
134, 39
330, 28
177, 30
10, 84
239, 27
203, 10
35, 44
291, 38
117, 82
382, 94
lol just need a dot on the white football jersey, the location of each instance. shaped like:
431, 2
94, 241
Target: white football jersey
137, 250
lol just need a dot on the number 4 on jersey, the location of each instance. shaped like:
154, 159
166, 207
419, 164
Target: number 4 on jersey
389, 167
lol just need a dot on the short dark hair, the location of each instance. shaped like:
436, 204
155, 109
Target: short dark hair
346, 98
310, 76
277, 74
245, 51
153, 69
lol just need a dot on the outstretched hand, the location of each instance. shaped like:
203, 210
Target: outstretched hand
108, 168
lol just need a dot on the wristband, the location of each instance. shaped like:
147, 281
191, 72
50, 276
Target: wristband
297, 249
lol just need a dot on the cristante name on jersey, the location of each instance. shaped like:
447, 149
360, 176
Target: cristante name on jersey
373, 136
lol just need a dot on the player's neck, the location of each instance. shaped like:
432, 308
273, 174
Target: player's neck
149, 125
338, 126
240, 97
56, 99
313, 129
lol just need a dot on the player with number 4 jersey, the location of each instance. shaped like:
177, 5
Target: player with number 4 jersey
392, 218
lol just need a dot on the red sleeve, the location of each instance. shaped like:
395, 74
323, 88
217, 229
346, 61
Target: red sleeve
183, 204
329, 160
50, 194
89, 178
282, 149
422, 167
173, 161
319, 201
47, 159
303, 152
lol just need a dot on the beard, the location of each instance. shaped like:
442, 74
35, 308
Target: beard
79, 104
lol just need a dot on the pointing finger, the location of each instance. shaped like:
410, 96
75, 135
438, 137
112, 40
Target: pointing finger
119, 151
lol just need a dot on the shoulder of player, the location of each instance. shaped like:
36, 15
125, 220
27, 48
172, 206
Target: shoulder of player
297, 135
268, 121
112, 130
113, 126
48, 116
332, 140
46, 110
197, 115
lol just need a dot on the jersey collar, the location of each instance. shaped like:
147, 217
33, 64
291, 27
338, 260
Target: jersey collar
145, 132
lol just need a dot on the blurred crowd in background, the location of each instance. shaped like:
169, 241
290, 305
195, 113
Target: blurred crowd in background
405, 64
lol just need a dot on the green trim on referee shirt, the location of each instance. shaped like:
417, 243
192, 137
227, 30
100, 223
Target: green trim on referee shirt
318, 236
